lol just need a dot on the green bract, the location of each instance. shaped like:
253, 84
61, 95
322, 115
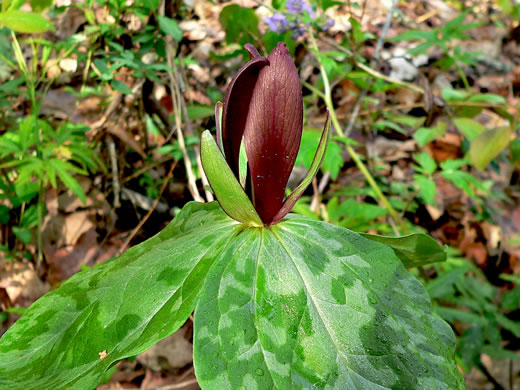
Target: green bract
299, 305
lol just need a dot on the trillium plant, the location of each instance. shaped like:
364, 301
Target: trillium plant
280, 301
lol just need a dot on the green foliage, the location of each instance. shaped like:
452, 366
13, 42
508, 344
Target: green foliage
489, 144
270, 304
470, 299
333, 159
426, 135
37, 151
240, 24
423, 180
170, 27
353, 214
25, 22
440, 36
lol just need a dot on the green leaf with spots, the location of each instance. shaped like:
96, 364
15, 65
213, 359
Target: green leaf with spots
308, 305
120, 308
299, 305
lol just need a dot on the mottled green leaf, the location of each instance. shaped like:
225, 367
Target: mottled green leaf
309, 305
71, 336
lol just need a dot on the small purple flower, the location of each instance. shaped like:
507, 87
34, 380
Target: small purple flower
297, 31
328, 25
299, 6
277, 23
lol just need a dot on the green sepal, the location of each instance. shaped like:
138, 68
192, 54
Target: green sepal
227, 189
413, 250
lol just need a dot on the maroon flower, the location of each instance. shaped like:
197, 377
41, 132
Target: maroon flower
263, 109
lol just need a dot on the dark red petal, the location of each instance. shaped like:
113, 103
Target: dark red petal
273, 131
236, 107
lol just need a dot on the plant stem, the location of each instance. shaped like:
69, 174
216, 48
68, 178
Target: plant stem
353, 154
39, 236
463, 77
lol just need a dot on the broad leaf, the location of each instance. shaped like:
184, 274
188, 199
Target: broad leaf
25, 22
170, 27
414, 250
488, 145
308, 305
70, 337
470, 128
40, 5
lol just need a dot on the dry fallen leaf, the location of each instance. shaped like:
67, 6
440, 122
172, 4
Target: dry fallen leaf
176, 350
21, 283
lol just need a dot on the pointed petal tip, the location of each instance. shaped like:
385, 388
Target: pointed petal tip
280, 50
236, 108
251, 50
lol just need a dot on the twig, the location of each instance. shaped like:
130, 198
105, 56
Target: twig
489, 377
180, 385
116, 101
382, 76
145, 169
154, 205
381, 40
115, 171
186, 373
319, 191
176, 99
177, 107
189, 130
313, 90
323, 182
315, 196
